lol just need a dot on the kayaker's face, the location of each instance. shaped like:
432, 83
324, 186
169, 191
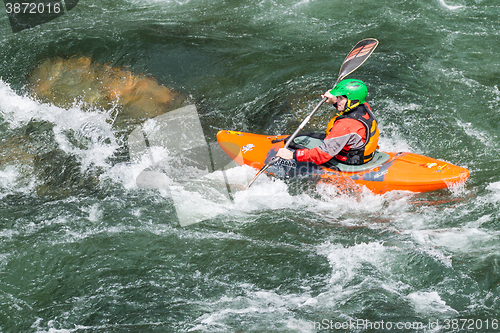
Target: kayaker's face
341, 103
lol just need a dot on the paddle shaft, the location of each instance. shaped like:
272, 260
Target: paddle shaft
290, 139
301, 126
304, 123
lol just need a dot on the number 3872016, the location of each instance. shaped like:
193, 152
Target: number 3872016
33, 8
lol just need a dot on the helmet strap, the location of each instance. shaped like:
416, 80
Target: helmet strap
350, 106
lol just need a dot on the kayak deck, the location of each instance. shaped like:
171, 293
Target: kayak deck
388, 171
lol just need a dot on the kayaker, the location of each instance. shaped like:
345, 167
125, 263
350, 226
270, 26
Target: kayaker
351, 136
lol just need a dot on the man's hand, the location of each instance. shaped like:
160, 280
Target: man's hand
285, 154
330, 98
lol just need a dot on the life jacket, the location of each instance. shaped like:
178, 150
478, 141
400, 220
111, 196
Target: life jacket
363, 154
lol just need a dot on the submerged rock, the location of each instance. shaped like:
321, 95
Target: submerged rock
64, 82
14, 151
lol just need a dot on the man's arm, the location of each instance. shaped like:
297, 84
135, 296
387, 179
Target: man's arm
345, 132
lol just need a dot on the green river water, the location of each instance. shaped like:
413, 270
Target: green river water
84, 249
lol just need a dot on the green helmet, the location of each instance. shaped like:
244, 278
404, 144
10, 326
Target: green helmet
355, 90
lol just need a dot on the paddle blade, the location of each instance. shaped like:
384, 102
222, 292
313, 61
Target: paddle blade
358, 55
264, 168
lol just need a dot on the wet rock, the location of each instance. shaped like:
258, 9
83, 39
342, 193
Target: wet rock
14, 151
64, 82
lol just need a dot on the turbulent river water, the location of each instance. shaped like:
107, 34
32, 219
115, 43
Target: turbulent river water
83, 248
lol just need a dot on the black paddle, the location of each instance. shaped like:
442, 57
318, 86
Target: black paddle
358, 55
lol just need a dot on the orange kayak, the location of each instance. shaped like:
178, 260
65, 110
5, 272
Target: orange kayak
385, 172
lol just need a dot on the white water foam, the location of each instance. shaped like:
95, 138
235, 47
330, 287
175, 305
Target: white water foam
347, 261
495, 190
455, 240
204, 198
262, 305
269, 193
430, 303
93, 128
12, 180
395, 142
450, 7
488, 139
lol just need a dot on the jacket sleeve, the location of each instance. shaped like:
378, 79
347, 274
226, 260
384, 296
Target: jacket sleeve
325, 152
345, 133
